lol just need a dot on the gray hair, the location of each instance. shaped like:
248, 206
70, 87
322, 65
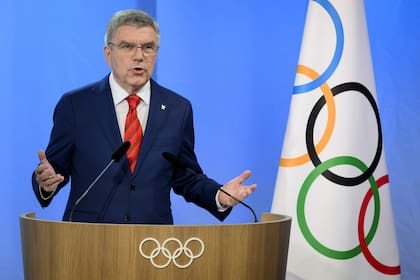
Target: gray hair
135, 18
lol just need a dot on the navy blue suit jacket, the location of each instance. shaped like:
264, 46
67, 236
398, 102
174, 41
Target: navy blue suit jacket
86, 133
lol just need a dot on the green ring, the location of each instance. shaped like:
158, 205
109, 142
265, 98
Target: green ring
335, 254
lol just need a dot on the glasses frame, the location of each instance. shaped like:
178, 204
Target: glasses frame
147, 49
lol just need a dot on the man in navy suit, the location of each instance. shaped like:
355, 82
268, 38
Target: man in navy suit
89, 125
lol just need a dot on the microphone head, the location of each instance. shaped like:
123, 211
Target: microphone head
174, 160
117, 155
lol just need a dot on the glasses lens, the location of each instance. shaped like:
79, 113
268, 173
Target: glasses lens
130, 48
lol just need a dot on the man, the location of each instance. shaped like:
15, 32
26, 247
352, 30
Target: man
91, 122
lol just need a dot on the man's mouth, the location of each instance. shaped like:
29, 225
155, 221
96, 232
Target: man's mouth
138, 70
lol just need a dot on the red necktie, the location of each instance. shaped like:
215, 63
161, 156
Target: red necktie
133, 131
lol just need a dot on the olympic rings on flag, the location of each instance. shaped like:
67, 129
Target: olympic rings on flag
320, 82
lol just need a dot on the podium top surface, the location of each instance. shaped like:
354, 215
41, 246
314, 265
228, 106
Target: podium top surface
265, 218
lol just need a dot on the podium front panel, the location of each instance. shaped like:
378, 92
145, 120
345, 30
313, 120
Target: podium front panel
63, 250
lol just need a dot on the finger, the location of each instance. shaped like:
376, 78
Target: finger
43, 165
54, 179
43, 171
52, 182
43, 179
50, 188
42, 157
247, 190
245, 175
46, 179
251, 188
40, 169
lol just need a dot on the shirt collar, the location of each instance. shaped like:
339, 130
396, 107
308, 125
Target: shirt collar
119, 94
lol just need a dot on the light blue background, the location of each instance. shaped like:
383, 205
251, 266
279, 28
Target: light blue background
236, 62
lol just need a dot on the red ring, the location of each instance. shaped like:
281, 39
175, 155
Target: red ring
386, 269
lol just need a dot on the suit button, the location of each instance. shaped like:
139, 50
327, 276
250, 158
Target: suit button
127, 218
133, 188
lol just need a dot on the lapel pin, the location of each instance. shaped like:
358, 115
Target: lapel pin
163, 107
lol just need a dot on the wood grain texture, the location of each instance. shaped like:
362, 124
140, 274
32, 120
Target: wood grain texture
62, 250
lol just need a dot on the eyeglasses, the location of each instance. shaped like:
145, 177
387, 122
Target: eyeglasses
148, 49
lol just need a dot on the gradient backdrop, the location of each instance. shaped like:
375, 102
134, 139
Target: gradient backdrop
235, 61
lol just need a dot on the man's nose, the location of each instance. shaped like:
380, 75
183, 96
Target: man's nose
138, 53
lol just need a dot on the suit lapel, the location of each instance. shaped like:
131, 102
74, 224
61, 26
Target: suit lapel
104, 111
155, 121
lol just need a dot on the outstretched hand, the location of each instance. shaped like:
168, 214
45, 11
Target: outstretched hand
45, 174
236, 189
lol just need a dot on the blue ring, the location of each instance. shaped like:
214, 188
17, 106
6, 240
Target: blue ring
337, 54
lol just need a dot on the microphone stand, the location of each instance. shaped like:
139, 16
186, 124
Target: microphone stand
116, 156
181, 164
241, 202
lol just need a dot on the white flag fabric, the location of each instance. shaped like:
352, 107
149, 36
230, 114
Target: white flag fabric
332, 178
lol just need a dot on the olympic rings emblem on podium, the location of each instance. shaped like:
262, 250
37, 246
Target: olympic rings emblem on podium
174, 255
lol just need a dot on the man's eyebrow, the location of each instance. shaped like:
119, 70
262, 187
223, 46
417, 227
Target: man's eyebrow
145, 43
125, 42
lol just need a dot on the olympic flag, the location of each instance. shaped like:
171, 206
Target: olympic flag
332, 178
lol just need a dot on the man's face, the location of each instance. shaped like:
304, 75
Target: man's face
131, 67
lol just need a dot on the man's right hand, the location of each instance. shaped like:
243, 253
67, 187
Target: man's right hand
45, 174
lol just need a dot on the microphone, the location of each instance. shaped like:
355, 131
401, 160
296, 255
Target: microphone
177, 162
116, 156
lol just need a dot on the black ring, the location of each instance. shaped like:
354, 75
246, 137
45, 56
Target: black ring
345, 181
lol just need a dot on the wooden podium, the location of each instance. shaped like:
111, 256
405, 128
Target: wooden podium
62, 250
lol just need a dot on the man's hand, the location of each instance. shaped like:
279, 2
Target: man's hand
46, 177
236, 189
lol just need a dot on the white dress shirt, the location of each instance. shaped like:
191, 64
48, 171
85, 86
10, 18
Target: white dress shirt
121, 105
